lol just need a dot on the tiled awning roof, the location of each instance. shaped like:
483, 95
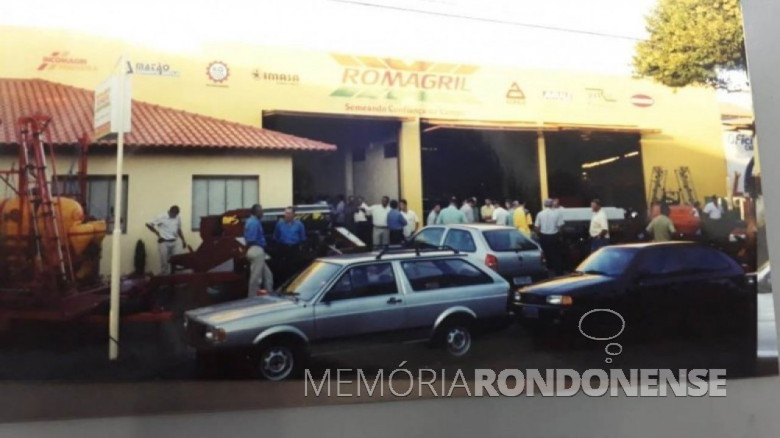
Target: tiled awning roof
154, 126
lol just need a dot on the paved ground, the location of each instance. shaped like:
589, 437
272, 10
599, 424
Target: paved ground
154, 353
156, 374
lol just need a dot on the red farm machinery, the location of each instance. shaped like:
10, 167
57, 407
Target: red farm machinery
50, 248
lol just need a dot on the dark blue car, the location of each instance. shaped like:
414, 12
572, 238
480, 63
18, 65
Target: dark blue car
657, 288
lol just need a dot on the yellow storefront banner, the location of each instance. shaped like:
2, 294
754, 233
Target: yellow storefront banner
237, 82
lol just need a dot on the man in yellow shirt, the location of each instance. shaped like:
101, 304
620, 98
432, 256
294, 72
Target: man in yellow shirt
522, 219
487, 211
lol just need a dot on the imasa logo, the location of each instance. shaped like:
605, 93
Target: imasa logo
369, 77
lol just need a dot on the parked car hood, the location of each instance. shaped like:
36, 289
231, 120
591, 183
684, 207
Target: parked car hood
235, 310
573, 283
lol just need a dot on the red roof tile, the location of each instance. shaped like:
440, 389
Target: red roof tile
153, 126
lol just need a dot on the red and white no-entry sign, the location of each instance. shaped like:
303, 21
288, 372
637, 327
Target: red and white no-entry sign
642, 100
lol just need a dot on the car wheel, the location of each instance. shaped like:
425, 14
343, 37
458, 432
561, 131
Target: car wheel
456, 338
277, 361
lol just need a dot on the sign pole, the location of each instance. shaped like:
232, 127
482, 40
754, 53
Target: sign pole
113, 319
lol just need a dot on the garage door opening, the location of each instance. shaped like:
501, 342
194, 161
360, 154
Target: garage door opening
492, 164
365, 164
584, 165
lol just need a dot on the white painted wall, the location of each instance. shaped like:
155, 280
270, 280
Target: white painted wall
159, 180
377, 176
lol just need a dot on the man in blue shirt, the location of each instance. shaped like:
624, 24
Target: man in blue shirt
255, 253
289, 234
395, 223
289, 231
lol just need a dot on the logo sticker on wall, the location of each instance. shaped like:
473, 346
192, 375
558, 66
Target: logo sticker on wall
218, 72
151, 69
64, 61
598, 95
560, 96
277, 78
515, 94
642, 100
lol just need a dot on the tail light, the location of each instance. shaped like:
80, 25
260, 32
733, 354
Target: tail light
491, 262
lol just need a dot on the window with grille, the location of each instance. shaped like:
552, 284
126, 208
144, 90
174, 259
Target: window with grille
212, 195
99, 197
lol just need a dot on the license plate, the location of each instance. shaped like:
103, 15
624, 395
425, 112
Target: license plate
530, 312
521, 281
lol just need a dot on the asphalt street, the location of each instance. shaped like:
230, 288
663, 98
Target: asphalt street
155, 353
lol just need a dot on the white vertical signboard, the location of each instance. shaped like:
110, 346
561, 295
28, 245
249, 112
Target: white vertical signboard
113, 117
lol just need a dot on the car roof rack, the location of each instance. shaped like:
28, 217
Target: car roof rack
392, 249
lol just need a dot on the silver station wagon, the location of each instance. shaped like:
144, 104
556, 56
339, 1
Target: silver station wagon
504, 249
396, 295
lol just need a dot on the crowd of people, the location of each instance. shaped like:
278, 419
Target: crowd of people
392, 222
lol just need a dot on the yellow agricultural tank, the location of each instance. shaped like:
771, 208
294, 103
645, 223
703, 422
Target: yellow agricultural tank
16, 232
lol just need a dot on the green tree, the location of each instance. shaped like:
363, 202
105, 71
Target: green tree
691, 42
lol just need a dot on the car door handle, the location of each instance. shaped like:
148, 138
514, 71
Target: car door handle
394, 300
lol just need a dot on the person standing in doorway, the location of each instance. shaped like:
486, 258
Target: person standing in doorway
511, 205
255, 254
339, 211
412, 220
712, 210
451, 214
468, 210
167, 228
661, 227
487, 211
500, 215
378, 214
362, 227
548, 226
350, 208
522, 220
395, 223
599, 226
433, 216
289, 236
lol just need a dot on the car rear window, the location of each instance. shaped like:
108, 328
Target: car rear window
508, 240
425, 275
460, 240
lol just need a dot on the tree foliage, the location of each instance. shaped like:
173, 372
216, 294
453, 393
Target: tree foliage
691, 41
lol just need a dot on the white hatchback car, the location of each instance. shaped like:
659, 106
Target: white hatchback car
504, 249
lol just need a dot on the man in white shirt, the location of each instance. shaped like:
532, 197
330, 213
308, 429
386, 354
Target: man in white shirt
599, 226
712, 210
500, 214
362, 227
548, 225
167, 228
378, 214
468, 210
412, 221
433, 216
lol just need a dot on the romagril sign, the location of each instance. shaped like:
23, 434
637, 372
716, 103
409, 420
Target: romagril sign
368, 77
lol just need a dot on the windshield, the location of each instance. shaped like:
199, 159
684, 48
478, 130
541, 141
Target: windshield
508, 240
609, 261
306, 284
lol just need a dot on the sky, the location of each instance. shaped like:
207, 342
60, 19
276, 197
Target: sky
376, 27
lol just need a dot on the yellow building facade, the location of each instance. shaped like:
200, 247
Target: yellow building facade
241, 83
